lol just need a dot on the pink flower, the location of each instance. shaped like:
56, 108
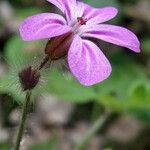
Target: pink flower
86, 61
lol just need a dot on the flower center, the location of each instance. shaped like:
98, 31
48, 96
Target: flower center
58, 47
80, 21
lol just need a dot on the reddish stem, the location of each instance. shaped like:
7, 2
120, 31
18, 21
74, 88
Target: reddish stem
43, 63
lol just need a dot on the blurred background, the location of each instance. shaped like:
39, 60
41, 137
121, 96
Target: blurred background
62, 110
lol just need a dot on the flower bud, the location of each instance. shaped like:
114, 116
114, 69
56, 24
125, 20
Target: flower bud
29, 78
58, 47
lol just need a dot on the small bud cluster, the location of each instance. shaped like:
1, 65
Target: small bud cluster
56, 48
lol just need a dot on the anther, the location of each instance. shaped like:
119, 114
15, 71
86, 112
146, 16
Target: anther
82, 20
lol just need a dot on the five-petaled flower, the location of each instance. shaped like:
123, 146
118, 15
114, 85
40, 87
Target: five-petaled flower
86, 61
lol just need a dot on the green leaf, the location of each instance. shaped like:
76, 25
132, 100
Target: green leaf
102, 3
10, 85
146, 46
19, 53
142, 114
25, 12
68, 89
122, 91
48, 145
4, 146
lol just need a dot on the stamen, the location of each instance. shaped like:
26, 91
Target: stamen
82, 20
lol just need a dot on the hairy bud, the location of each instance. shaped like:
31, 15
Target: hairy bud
29, 78
58, 47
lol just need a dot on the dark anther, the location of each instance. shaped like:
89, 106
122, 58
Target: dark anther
82, 20
29, 78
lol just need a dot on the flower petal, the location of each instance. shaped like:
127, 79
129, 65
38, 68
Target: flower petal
87, 62
66, 6
41, 26
97, 15
114, 34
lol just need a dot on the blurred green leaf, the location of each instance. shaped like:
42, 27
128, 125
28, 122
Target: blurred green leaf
48, 145
10, 85
19, 53
146, 46
107, 149
68, 88
138, 91
25, 12
142, 114
102, 3
126, 88
5, 147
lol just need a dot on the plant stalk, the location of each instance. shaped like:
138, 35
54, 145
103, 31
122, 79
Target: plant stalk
43, 63
23, 120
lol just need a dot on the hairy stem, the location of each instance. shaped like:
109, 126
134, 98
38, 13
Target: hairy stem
43, 63
23, 120
92, 131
